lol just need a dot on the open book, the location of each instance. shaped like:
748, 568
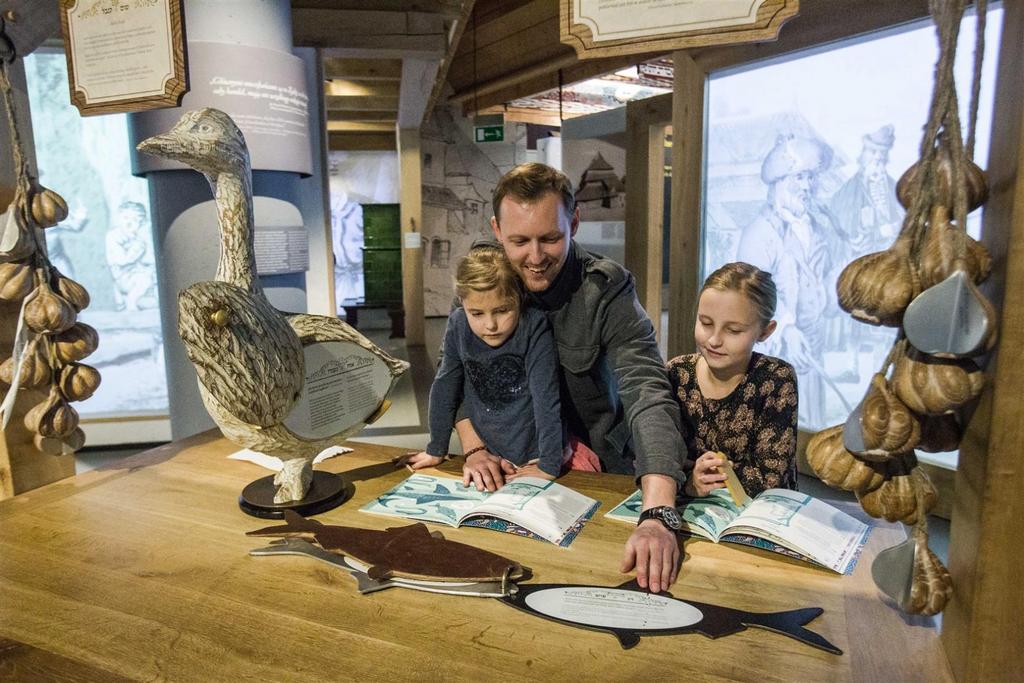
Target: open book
526, 506
780, 520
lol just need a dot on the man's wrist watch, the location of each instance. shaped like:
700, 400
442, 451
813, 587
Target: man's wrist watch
664, 514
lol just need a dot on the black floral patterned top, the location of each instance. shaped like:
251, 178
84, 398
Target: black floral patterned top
755, 425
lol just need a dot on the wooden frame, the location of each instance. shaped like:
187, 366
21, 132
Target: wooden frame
769, 17
979, 628
175, 83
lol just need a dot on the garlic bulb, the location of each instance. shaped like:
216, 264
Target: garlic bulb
876, 288
896, 499
55, 446
839, 468
35, 369
75, 343
929, 385
15, 281
48, 207
942, 181
887, 425
931, 585
78, 381
74, 293
944, 245
53, 417
48, 312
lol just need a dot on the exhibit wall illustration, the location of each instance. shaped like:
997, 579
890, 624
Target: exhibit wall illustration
459, 177
597, 169
801, 161
106, 243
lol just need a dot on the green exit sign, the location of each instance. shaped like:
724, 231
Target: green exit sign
490, 133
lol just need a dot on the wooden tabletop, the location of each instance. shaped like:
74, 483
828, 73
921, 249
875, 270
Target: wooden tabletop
141, 571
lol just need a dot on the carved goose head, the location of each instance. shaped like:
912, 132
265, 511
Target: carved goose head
205, 139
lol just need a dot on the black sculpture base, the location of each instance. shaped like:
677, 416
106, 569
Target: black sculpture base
327, 492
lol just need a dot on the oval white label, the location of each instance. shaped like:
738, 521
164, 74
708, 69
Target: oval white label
614, 608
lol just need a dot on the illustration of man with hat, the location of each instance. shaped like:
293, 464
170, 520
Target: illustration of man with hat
866, 205
796, 239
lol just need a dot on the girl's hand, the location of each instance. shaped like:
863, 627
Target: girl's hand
706, 476
418, 461
530, 470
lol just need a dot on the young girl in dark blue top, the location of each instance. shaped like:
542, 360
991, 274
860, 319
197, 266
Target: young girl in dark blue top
499, 362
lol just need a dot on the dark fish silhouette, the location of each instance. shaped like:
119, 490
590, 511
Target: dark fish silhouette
400, 552
629, 612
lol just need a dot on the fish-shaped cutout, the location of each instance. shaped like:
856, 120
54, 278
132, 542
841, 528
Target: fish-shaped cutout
297, 546
409, 552
629, 613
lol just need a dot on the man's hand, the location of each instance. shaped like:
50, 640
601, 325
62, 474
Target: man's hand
654, 551
707, 476
486, 471
530, 470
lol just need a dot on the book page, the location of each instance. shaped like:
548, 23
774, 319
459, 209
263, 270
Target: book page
428, 499
709, 515
544, 507
805, 524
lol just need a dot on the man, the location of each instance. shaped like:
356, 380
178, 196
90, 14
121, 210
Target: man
866, 205
870, 216
795, 240
615, 393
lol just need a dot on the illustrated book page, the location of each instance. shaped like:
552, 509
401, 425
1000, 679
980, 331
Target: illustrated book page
543, 508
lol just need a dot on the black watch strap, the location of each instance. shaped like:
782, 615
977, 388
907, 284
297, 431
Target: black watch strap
668, 516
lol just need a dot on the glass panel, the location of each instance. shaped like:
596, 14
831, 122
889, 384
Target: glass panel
106, 243
802, 157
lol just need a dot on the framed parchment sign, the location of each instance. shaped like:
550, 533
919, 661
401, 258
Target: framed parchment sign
124, 55
606, 28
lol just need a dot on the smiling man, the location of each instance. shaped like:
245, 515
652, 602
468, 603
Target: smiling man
615, 392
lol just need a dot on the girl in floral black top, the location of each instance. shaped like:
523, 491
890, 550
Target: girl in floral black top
734, 400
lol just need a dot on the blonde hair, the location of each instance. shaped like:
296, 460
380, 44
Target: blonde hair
757, 285
484, 269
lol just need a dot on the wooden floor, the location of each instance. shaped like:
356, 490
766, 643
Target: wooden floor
140, 571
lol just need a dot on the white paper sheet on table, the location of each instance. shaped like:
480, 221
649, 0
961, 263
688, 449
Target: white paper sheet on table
274, 463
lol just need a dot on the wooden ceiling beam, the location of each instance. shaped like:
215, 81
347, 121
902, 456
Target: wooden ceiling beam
418, 77
361, 126
361, 103
361, 141
363, 69
365, 116
376, 33
446, 8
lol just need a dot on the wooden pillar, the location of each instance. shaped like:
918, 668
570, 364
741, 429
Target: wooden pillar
687, 201
981, 627
410, 173
645, 197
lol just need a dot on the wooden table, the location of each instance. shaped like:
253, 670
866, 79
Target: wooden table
141, 571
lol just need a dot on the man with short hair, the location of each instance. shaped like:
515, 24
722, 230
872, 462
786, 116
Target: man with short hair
615, 393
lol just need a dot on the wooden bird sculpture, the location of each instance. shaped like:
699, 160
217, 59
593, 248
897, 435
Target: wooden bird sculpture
287, 385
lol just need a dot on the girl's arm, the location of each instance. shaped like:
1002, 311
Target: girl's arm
542, 375
446, 390
773, 440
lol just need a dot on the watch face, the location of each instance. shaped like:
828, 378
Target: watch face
671, 517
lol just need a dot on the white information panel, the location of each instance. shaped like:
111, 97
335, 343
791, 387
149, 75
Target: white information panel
344, 385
